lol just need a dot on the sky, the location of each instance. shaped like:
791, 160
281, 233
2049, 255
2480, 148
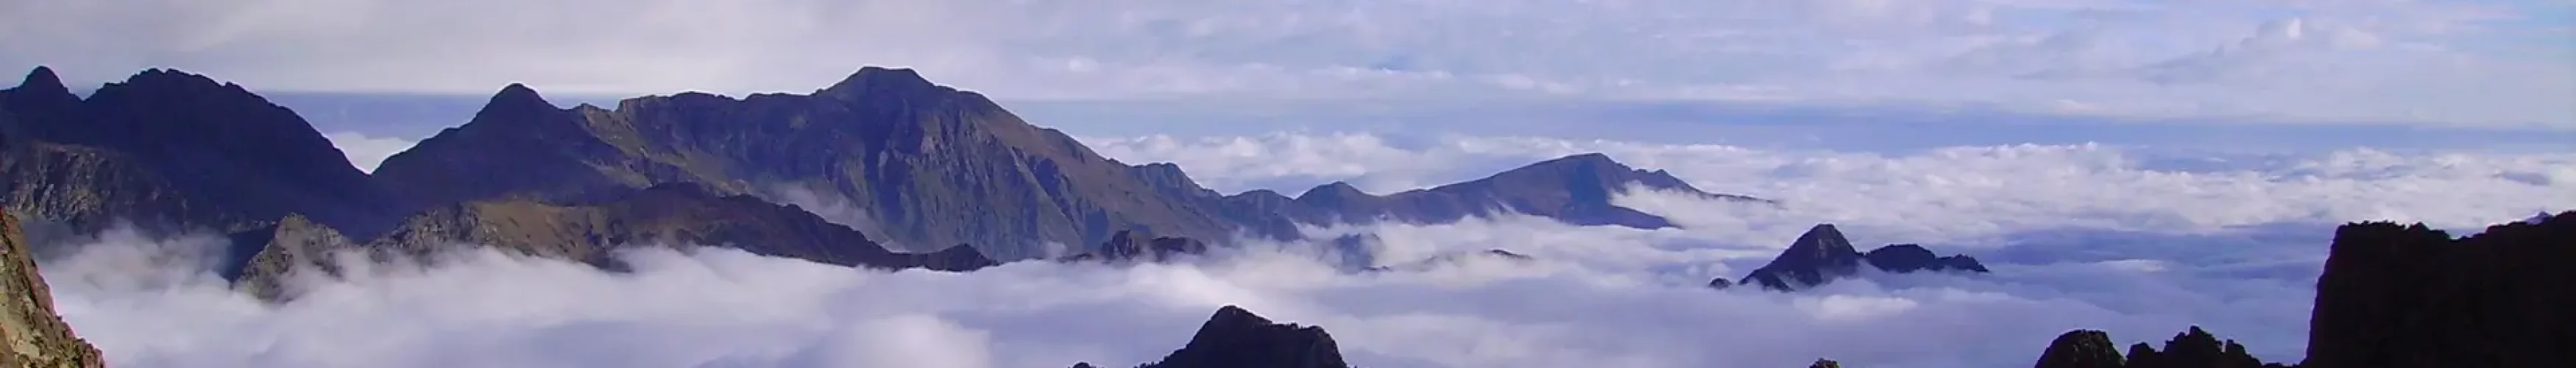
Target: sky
2473, 63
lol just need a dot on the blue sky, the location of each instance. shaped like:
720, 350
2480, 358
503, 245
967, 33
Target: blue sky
2418, 62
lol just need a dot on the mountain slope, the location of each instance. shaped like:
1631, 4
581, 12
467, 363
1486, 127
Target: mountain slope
664, 215
34, 336
181, 147
930, 164
1574, 189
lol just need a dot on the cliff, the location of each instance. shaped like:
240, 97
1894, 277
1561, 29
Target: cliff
2410, 296
36, 337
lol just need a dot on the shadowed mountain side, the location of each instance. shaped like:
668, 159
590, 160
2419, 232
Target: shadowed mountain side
1236, 338
31, 333
1822, 255
665, 215
2411, 296
932, 164
168, 146
1573, 189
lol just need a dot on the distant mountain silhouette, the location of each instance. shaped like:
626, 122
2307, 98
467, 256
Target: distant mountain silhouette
1822, 254
169, 147
1236, 338
1573, 189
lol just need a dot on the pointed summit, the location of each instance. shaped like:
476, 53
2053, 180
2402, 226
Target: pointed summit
518, 96
875, 80
42, 81
1820, 255
1337, 191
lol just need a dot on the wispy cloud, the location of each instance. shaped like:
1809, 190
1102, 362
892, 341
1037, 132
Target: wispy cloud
2395, 60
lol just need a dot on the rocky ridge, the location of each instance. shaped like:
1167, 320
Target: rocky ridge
1822, 254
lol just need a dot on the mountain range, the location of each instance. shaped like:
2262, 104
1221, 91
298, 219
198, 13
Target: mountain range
922, 175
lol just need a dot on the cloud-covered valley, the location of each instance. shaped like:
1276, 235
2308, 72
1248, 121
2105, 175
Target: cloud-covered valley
2134, 241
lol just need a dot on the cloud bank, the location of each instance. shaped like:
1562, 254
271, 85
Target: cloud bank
2083, 236
2492, 62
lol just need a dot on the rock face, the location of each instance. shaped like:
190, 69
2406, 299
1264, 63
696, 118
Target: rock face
35, 336
588, 231
2410, 296
1823, 254
930, 164
1235, 338
1574, 189
166, 145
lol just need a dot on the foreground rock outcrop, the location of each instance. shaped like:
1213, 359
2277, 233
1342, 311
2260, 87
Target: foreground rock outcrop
1822, 254
35, 336
2411, 296
1236, 338
2404, 296
2194, 348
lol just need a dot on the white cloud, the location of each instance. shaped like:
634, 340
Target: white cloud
2079, 236
2470, 63
366, 151
1946, 193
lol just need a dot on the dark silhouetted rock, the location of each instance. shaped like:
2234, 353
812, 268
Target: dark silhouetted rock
1720, 283
33, 334
1820, 255
1825, 363
2082, 349
1823, 254
1235, 338
929, 164
1573, 189
1129, 246
2194, 348
1911, 258
2411, 296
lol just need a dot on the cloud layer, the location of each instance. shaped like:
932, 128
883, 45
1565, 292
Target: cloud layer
2087, 236
2495, 62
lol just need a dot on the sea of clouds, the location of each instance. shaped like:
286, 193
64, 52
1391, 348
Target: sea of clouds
2134, 241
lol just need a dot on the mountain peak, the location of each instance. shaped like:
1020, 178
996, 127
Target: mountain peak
873, 79
42, 80
1237, 338
1334, 191
514, 100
